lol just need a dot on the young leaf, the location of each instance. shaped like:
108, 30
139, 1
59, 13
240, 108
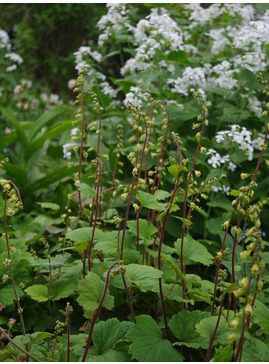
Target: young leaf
182, 326
38, 292
148, 343
193, 250
90, 291
143, 276
176, 170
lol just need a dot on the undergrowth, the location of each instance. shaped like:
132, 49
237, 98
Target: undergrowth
109, 279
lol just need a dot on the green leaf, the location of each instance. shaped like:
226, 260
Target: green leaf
41, 335
182, 326
38, 292
223, 354
146, 228
193, 251
148, 344
6, 354
90, 192
107, 333
261, 316
234, 193
49, 205
51, 133
255, 351
62, 288
15, 122
206, 328
142, 276
17, 172
46, 117
149, 201
161, 195
176, 170
7, 294
109, 356
54, 176
167, 258
82, 235
185, 221
90, 291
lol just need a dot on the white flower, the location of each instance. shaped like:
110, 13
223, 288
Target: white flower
157, 32
114, 21
17, 89
44, 97
108, 90
74, 131
191, 77
4, 39
255, 105
135, 96
85, 54
14, 57
54, 98
11, 68
26, 83
68, 154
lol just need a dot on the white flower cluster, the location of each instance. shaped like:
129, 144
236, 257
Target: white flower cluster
12, 56
66, 151
158, 31
224, 77
201, 16
239, 135
254, 104
4, 40
192, 78
115, 20
217, 160
135, 96
222, 188
83, 55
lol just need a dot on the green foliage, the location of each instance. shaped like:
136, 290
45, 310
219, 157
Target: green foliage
90, 291
148, 343
133, 228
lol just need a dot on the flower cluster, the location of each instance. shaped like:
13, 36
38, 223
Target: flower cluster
13, 59
216, 160
115, 20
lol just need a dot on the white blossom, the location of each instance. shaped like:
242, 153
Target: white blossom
135, 96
